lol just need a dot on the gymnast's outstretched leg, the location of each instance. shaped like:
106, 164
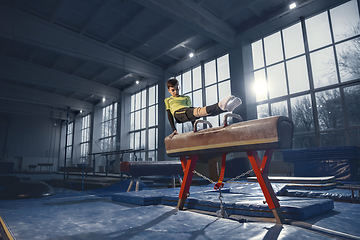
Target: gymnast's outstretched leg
226, 105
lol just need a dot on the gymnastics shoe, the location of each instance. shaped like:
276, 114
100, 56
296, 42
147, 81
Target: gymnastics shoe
232, 103
222, 103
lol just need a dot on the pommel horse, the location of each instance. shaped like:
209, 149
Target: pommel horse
250, 136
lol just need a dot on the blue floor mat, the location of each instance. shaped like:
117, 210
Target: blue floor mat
117, 187
74, 215
238, 198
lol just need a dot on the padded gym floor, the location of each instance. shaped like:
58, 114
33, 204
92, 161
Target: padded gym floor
312, 210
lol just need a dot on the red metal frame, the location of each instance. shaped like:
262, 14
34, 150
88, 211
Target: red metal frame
223, 164
183, 162
188, 174
260, 168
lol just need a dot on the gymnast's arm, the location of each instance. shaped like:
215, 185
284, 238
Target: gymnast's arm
172, 123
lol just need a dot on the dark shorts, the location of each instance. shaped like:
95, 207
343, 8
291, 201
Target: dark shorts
184, 115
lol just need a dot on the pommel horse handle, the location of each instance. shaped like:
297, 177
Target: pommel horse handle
201, 121
231, 115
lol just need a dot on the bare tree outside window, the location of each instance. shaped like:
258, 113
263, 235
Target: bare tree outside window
279, 109
329, 109
263, 111
349, 59
302, 116
346, 25
352, 100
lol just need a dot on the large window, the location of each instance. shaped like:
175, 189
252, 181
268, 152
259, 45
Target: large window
217, 84
310, 72
108, 128
208, 89
69, 143
85, 138
144, 124
191, 85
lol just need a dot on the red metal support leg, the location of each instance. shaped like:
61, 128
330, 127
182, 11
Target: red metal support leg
260, 169
183, 162
185, 186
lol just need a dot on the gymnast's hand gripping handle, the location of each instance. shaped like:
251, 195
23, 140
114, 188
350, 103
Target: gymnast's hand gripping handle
237, 116
173, 134
201, 121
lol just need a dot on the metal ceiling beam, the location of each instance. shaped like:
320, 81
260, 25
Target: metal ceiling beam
3, 45
21, 71
195, 17
20, 26
56, 61
178, 44
37, 97
242, 5
57, 10
7, 106
273, 14
78, 68
121, 29
32, 55
197, 53
202, 2
93, 16
88, 98
120, 79
153, 35
102, 71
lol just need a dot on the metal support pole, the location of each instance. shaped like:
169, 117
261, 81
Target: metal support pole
137, 187
173, 181
66, 138
121, 173
94, 166
82, 180
130, 185
106, 166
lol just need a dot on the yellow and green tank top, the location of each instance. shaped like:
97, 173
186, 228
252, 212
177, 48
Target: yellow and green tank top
176, 103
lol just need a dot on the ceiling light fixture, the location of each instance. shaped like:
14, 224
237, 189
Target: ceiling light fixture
137, 82
103, 99
191, 55
292, 6
81, 111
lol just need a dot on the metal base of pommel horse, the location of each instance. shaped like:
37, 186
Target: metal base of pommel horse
250, 136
